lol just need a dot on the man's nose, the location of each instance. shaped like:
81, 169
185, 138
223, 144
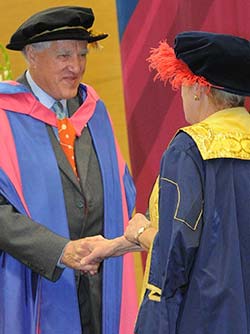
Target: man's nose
76, 64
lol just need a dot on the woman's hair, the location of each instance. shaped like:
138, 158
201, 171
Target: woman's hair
223, 100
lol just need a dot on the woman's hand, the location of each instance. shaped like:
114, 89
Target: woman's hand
140, 232
101, 248
136, 226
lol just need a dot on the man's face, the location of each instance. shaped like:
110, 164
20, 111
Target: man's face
58, 69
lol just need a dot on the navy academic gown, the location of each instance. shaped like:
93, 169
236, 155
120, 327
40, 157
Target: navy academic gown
199, 281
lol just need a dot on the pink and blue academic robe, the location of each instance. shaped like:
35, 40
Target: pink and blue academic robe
30, 181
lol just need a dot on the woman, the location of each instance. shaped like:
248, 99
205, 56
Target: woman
199, 273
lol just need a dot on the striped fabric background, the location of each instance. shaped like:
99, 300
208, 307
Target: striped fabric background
154, 112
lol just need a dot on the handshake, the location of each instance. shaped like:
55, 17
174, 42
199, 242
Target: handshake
86, 254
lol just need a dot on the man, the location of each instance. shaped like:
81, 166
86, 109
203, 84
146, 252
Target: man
51, 198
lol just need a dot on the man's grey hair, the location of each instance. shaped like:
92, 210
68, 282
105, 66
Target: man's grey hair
40, 46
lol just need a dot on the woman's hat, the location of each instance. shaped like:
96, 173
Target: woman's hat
210, 59
57, 23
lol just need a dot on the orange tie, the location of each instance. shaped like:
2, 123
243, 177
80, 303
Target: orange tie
66, 133
67, 136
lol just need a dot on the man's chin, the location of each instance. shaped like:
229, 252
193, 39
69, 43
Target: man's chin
69, 93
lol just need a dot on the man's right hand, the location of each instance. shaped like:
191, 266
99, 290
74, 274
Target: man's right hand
75, 250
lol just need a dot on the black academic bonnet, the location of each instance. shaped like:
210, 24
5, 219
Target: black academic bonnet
223, 60
57, 23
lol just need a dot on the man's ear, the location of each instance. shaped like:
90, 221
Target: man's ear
30, 55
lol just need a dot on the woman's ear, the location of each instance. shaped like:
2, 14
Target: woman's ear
196, 91
200, 92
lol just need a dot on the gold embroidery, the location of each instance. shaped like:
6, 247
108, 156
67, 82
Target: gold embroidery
178, 204
155, 292
225, 134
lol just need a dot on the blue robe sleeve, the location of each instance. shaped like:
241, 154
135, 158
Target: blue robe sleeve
176, 244
180, 212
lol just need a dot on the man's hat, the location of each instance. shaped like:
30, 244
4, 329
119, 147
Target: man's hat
57, 23
209, 59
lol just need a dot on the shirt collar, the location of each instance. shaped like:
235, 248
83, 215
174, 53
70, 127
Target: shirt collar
41, 95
